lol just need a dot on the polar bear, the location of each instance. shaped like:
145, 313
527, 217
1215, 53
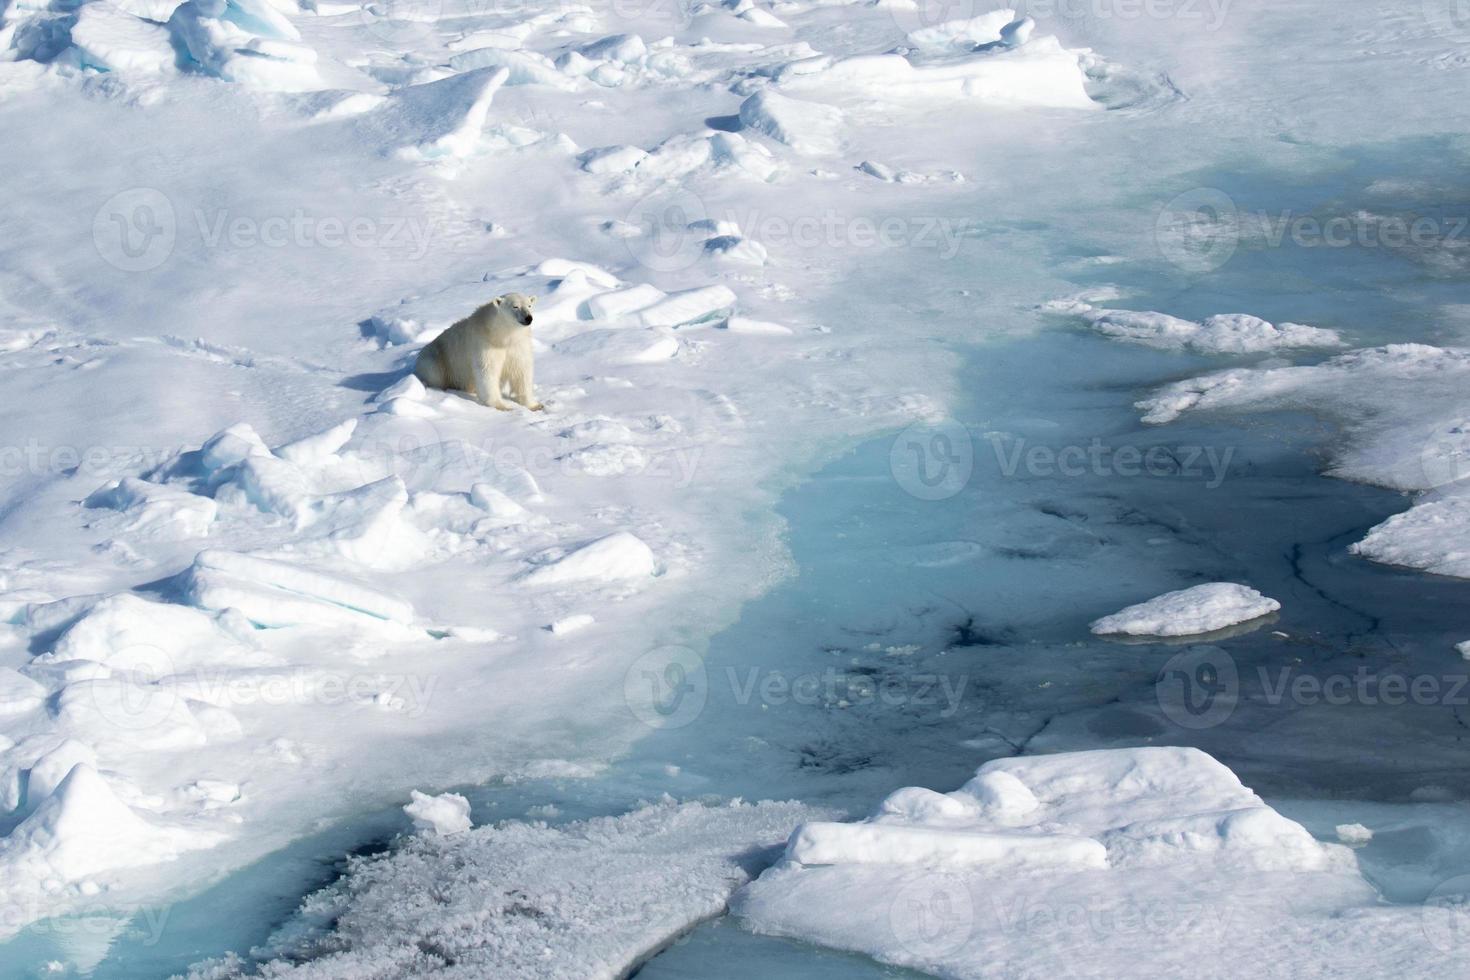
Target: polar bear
484, 352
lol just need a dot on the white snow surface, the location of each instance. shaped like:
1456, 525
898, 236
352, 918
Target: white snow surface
588, 899
1199, 609
1114, 862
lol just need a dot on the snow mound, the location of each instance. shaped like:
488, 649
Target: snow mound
18, 694
156, 508
83, 829
1224, 333
930, 880
619, 557
688, 306
447, 813
809, 128
589, 899
436, 119
1201, 609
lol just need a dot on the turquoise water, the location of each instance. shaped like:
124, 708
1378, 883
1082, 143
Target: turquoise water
920, 637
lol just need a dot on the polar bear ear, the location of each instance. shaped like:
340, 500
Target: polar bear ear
531, 301
498, 301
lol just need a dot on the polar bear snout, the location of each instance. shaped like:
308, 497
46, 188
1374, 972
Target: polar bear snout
527, 321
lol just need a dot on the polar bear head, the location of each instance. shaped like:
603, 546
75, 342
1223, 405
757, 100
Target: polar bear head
517, 306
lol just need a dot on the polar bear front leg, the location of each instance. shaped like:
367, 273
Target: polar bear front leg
489, 368
520, 375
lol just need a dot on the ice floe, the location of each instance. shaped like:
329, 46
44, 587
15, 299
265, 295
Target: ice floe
1199, 609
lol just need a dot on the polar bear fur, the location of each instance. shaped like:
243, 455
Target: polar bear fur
485, 352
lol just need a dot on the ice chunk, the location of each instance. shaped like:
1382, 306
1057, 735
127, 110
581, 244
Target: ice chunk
561, 268
809, 128
571, 624
447, 813
126, 631
436, 119
277, 593
1201, 609
612, 159
621, 556
118, 715
966, 32
839, 843
626, 48
611, 306
520, 67
111, 39
320, 448
932, 882
154, 506
1225, 333
1353, 833
18, 693
688, 306
765, 328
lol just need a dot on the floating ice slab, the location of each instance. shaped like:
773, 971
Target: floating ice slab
1225, 333
1201, 609
589, 899
447, 813
952, 883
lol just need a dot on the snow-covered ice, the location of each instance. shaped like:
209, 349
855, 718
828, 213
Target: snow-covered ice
527, 899
1199, 609
1125, 862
